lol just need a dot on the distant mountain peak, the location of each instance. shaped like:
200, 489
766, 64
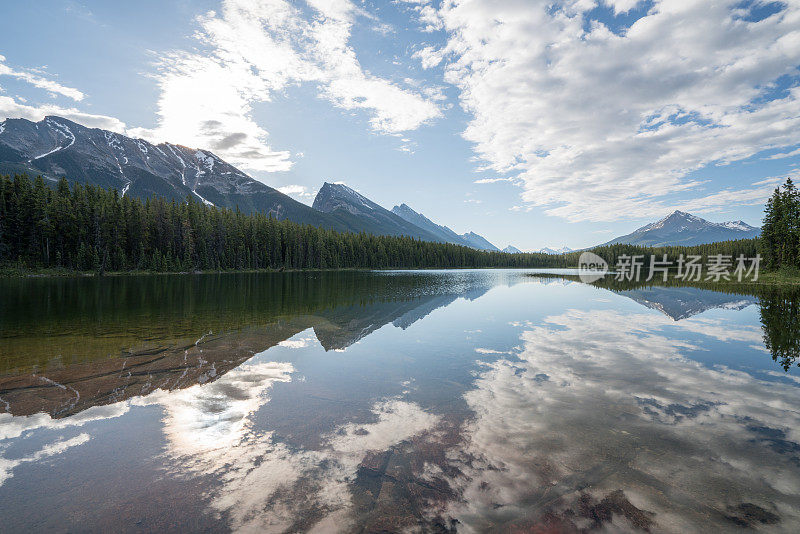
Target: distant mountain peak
478, 241
332, 196
548, 250
681, 228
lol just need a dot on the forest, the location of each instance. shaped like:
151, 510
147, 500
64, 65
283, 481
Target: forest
780, 233
88, 228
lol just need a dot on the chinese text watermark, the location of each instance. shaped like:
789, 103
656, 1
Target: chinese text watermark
687, 267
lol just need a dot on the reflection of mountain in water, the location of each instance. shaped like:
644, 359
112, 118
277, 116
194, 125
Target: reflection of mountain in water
779, 306
120, 360
684, 302
345, 326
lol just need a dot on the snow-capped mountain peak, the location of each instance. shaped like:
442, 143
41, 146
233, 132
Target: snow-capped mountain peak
548, 250
681, 228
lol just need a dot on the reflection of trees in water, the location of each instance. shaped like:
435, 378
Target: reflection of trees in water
780, 321
779, 308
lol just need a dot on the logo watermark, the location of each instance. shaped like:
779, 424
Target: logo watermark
591, 267
688, 268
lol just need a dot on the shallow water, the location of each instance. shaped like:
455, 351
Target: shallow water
469, 401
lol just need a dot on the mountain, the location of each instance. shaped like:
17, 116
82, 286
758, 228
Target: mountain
681, 228
510, 249
348, 204
471, 239
56, 147
562, 250
444, 233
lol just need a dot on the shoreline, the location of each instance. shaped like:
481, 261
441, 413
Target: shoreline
59, 273
768, 278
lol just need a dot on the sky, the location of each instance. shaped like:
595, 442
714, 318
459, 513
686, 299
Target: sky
532, 123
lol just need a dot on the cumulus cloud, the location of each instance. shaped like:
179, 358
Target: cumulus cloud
256, 50
428, 56
38, 80
601, 125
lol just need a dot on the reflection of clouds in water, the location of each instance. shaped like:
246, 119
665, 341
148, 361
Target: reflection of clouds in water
51, 449
213, 417
298, 342
269, 487
491, 351
264, 485
12, 427
600, 400
723, 331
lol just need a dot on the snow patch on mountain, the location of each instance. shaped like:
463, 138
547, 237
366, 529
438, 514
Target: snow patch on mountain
58, 128
548, 250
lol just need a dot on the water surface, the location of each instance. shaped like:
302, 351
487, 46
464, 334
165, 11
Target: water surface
467, 401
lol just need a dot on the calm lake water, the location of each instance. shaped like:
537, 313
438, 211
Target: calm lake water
467, 401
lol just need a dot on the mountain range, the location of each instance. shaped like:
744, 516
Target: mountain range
56, 147
681, 228
443, 233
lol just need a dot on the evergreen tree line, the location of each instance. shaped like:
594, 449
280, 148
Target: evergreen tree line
88, 228
780, 233
612, 253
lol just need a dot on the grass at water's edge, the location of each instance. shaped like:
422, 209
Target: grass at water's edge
782, 277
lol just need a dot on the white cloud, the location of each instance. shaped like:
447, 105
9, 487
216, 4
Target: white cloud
600, 126
782, 155
18, 108
256, 50
37, 80
12, 109
428, 56
493, 180
297, 190
429, 18
621, 6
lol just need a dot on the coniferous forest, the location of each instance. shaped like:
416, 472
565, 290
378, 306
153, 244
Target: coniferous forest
780, 234
88, 228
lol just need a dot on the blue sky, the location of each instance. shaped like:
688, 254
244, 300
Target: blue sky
532, 123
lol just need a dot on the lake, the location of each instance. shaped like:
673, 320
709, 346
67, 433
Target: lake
432, 401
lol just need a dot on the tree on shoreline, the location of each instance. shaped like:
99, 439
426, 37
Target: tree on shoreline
780, 234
